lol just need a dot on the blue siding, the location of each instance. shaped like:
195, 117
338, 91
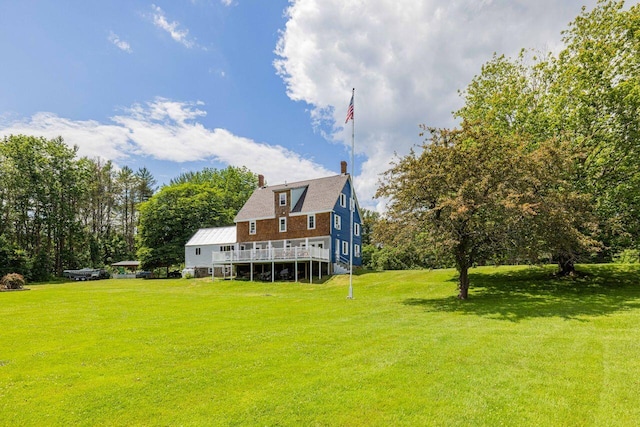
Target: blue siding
343, 233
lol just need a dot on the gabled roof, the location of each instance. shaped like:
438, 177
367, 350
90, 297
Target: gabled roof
213, 236
320, 196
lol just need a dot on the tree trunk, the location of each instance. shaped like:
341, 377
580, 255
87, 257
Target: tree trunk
462, 265
463, 283
565, 262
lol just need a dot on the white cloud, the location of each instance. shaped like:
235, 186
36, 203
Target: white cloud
169, 130
227, 2
119, 43
406, 59
177, 34
93, 139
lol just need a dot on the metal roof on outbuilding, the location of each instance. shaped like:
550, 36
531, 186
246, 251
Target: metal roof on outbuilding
213, 236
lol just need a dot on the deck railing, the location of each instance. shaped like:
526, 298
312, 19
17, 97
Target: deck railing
272, 254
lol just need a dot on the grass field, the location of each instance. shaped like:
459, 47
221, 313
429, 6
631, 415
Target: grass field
526, 349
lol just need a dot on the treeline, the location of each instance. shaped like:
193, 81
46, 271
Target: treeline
60, 212
544, 166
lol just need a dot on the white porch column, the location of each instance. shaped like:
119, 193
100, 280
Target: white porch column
295, 252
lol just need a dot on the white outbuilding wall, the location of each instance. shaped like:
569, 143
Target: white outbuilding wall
198, 252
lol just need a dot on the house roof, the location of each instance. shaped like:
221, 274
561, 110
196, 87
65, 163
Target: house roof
320, 196
213, 236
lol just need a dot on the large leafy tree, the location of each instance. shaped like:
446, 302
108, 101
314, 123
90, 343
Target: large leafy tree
595, 98
475, 196
236, 183
589, 96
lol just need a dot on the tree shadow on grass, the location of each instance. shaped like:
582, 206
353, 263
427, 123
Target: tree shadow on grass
515, 295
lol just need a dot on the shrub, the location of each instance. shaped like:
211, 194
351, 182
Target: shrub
12, 281
627, 256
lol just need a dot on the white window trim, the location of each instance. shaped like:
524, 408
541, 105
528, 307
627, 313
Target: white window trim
311, 218
282, 221
356, 251
337, 222
345, 248
198, 251
343, 200
283, 199
252, 227
356, 229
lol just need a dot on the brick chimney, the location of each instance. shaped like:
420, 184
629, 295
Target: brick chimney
343, 167
260, 181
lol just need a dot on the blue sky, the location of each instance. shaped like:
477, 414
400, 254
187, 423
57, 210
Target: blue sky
180, 85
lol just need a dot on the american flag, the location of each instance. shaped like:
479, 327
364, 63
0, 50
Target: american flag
350, 111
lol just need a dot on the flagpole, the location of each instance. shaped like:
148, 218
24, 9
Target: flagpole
352, 201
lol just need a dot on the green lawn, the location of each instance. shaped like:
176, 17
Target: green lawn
526, 349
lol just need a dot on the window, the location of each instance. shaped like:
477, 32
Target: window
337, 222
198, 251
226, 248
283, 199
343, 200
283, 224
356, 251
311, 222
345, 248
252, 227
356, 229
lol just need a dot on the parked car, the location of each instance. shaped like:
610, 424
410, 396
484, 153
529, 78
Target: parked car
86, 274
175, 274
144, 275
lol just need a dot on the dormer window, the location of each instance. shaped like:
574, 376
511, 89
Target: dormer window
283, 199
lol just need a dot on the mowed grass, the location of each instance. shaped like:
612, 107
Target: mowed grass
526, 350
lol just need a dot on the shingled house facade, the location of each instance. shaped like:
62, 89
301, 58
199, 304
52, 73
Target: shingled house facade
296, 230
